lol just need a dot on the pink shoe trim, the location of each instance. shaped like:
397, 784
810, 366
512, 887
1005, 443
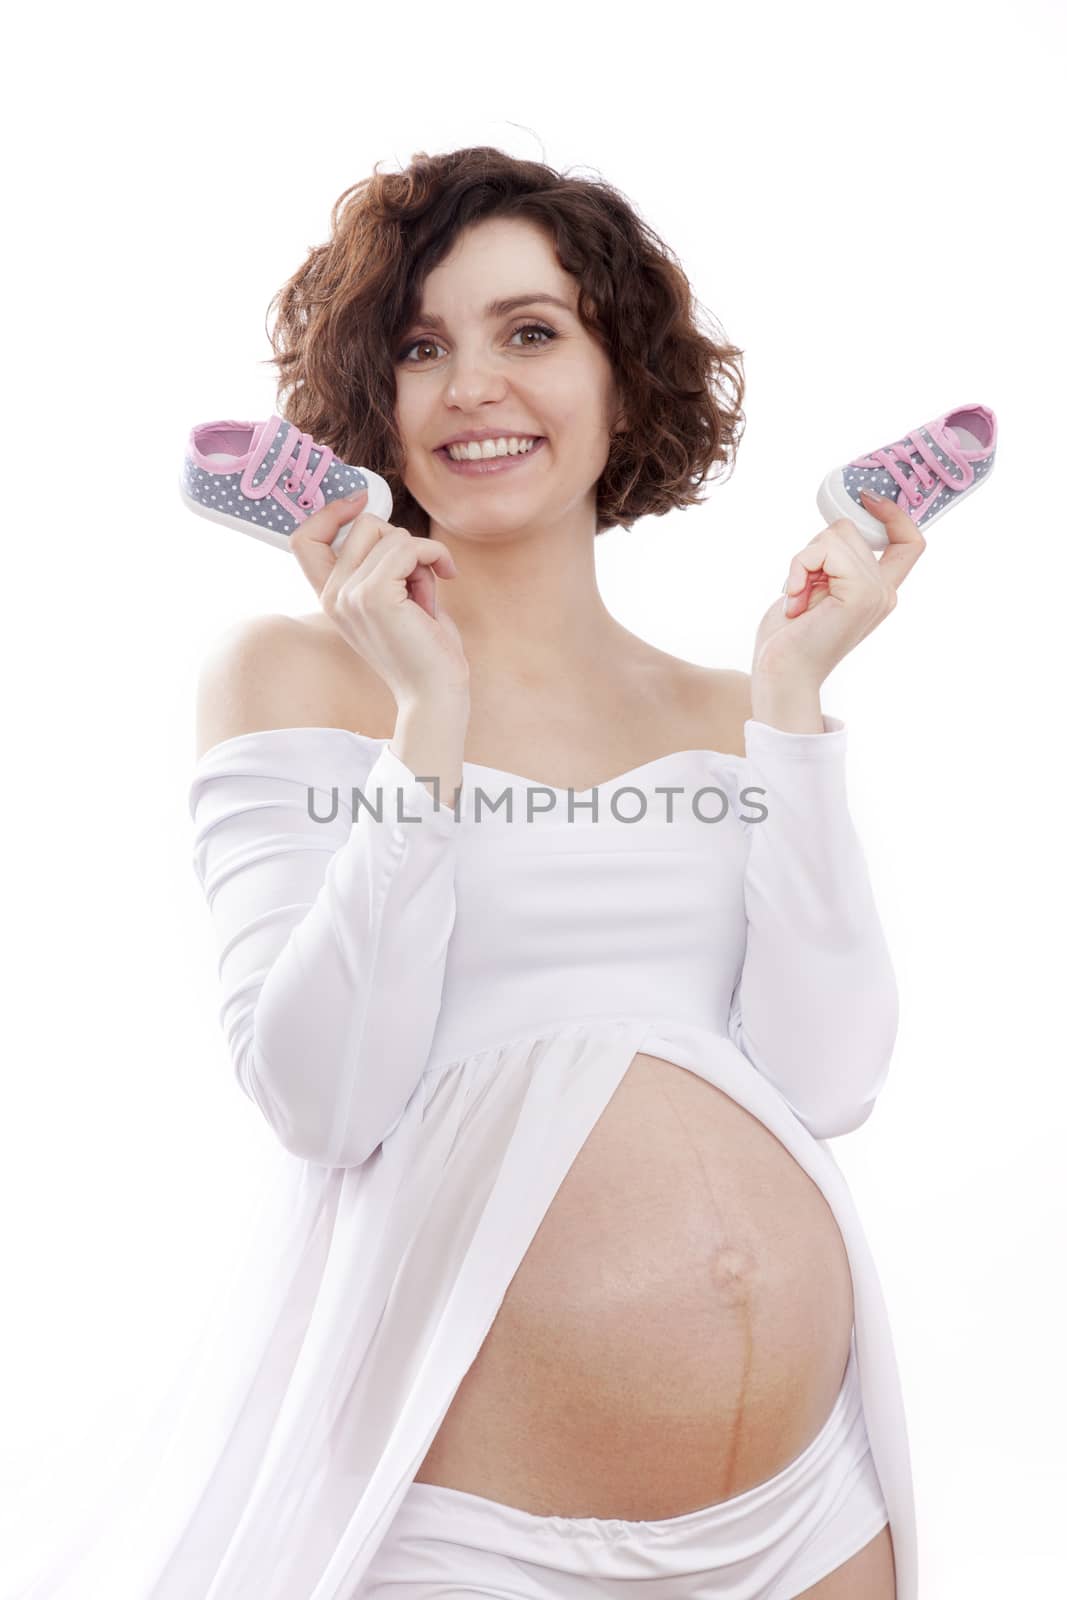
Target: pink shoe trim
293, 459
909, 497
225, 424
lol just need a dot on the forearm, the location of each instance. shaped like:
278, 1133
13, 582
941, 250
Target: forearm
793, 706
815, 1008
429, 739
346, 1015
333, 933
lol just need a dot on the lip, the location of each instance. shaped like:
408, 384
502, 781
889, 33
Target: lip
484, 469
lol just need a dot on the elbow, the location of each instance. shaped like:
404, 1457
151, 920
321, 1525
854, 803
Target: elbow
856, 1053
308, 1146
831, 1084
294, 1125
829, 1115
832, 1121
857, 1066
320, 1145
332, 1089
310, 1123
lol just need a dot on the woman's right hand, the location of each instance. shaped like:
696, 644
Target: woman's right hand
379, 589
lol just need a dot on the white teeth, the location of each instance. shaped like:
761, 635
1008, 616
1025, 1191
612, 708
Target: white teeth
486, 449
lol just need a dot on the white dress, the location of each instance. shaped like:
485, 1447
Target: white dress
431, 1010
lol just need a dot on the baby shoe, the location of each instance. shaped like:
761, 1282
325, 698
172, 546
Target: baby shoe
266, 478
927, 473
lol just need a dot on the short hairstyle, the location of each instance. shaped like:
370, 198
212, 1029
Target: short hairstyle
342, 314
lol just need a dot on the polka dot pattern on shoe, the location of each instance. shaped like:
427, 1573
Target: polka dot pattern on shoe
938, 498
221, 491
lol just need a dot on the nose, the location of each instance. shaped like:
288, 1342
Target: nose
474, 380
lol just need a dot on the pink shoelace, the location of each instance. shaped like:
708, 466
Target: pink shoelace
293, 459
911, 458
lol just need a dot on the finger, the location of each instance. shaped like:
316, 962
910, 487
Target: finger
406, 566
422, 588
415, 550
906, 541
838, 551
311, 542
814, 588
828, 555
420, 582
400, 554
846, 533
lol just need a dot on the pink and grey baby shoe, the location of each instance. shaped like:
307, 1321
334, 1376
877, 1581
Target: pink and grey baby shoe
266, 478
927, 473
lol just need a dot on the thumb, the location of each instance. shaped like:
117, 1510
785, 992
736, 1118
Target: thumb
318, 539
357, 498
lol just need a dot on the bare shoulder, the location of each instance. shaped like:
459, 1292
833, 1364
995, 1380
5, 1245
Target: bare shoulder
278, 671
717, 703
719, 682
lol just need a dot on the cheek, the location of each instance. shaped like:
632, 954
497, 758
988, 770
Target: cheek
410, 412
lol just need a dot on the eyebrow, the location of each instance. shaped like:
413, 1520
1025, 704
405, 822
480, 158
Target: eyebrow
499, 308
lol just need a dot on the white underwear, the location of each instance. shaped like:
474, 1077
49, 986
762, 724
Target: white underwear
770, 1543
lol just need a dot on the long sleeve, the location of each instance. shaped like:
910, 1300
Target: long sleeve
331, 886
815, 1008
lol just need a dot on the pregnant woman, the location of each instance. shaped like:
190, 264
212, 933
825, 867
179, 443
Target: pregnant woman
550, 960
588, 1304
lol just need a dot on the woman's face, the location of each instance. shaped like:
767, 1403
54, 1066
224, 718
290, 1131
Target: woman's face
476, 368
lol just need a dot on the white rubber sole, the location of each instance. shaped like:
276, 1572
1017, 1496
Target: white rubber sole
379, 503
834, 501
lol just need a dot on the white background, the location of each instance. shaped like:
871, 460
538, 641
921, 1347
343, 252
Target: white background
869, 201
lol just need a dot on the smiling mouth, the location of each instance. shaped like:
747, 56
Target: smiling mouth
488, 466
443, 449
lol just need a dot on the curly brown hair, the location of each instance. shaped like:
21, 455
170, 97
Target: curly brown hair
341, 314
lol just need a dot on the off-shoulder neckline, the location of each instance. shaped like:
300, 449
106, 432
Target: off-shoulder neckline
479, 766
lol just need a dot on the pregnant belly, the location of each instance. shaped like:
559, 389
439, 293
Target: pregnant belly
677, 1331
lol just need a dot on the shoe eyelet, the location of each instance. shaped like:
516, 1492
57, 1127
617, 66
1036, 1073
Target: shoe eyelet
304, 503
289, 485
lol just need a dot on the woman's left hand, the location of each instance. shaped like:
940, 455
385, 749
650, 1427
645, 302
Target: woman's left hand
838, 591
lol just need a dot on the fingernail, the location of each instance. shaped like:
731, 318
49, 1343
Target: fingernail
357, 494
879, 499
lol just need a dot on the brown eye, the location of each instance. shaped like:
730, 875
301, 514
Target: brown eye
548, 334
